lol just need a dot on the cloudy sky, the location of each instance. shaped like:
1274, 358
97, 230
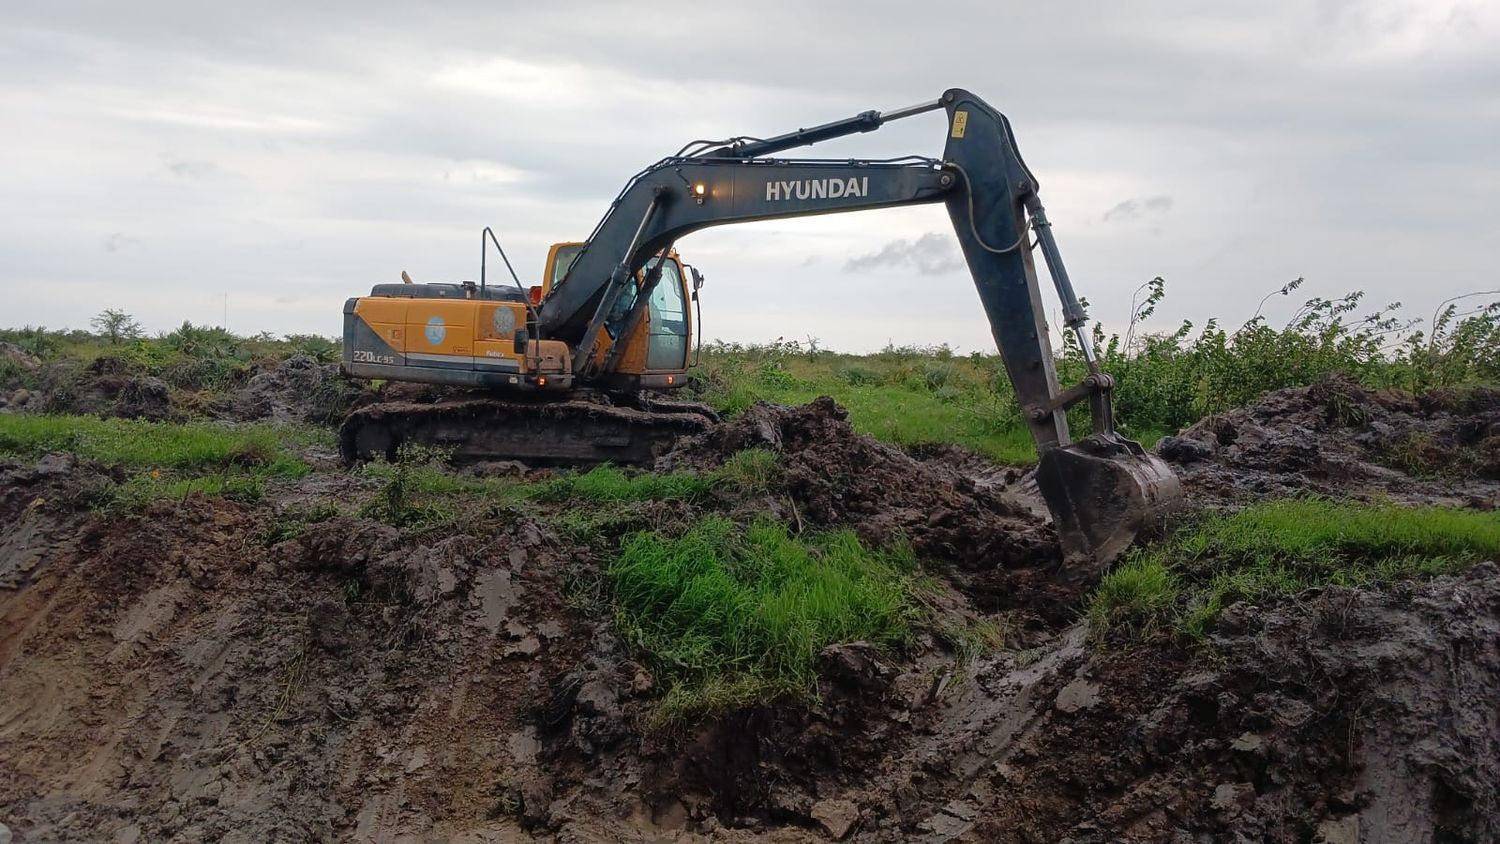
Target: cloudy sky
172, 158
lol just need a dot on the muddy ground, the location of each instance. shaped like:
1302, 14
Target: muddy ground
198, 673
297, 389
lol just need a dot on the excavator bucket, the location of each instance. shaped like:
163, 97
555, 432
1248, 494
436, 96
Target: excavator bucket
1103, 490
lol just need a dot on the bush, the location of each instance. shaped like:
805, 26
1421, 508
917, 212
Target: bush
319, 348
859, 375
1171, 380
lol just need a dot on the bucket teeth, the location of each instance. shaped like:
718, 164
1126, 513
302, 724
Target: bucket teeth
1103, 491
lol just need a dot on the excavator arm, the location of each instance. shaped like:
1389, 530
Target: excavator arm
1102, 489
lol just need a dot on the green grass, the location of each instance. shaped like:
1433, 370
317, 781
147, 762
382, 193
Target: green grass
898, 400
612, 485
731, 616
907, 397
138, 444
751, 470
293, 523
1281, 548
167, 460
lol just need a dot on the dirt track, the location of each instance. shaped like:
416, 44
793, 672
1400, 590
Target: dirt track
180, 676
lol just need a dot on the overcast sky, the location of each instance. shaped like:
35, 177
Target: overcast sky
158, 156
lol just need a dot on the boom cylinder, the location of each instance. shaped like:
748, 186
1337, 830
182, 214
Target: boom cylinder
865, 121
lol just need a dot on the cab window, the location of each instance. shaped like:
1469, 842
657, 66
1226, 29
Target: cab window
667, 346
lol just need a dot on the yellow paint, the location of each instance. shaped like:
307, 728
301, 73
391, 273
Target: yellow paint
454, 332
386, 317
960, 123
486, 320
551, 272
633, 356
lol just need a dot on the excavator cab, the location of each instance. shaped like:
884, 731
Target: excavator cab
640, 347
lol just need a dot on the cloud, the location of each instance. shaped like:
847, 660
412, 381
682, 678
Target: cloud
930, 254
1134, 209
119, 242
188, 169
300, 149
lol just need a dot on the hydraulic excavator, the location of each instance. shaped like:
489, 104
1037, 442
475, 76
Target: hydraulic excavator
570, 371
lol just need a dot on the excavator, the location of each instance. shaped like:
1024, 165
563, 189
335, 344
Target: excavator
574, 370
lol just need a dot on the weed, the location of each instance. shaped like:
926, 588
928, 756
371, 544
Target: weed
858, 375
753, 470
1420, 455
293, 523
405, 499
1345, 410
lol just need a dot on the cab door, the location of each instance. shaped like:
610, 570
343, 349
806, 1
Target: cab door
667, 321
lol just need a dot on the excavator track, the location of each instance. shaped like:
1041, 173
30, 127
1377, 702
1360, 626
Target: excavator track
566, 432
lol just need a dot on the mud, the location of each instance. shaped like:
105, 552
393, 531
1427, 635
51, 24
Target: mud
298, 389
201, 673
1339, 438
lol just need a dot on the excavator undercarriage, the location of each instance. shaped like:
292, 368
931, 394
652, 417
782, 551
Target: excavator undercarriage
578, 430
569, 365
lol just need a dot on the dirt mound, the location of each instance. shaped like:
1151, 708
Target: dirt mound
1002, 550
174, 676
18, 370
1346, 717
1337, 437
298, 389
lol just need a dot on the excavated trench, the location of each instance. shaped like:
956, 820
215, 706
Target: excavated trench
189, 674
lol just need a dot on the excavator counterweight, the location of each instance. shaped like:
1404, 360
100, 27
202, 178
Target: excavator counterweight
612, 316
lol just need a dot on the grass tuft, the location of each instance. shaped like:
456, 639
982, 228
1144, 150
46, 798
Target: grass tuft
752, 470
732, 616
1134, 596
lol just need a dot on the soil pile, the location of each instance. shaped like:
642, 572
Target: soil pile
1349, 716
1003, 552
180, 676
297, 389
1337, 437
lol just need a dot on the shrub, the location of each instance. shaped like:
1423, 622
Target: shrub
859, 375
115, 326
